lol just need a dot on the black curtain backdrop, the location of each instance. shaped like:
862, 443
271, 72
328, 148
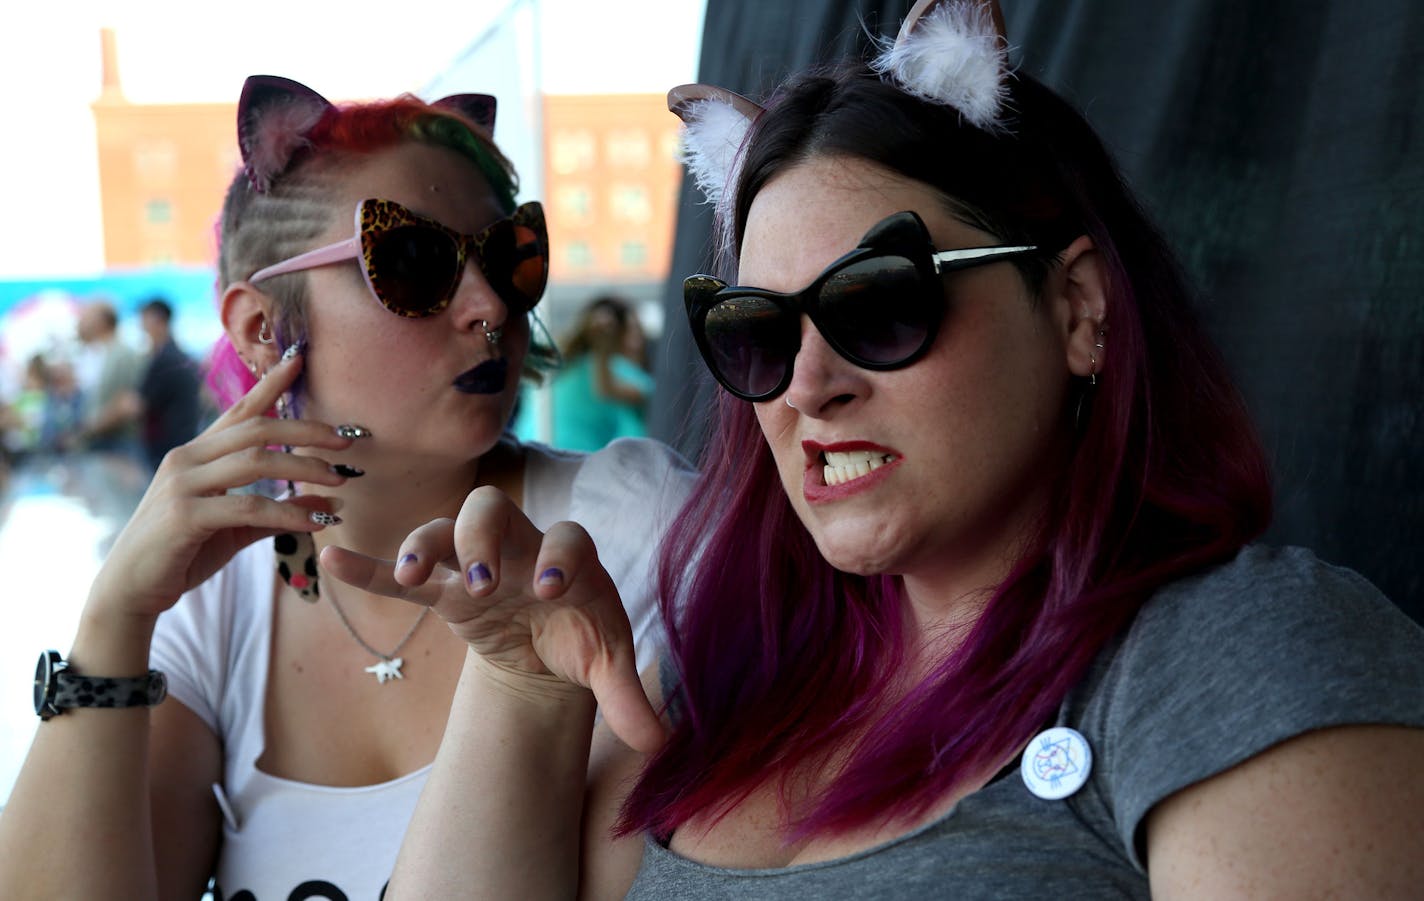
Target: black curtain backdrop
1281, 146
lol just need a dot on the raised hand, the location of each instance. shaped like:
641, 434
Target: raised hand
187, 526
538, 608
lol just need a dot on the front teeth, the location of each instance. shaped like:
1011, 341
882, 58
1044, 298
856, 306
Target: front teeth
843, 466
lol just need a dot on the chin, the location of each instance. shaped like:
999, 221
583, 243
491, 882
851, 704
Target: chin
856, 560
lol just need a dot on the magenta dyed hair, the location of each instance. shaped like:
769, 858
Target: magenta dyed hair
780, 658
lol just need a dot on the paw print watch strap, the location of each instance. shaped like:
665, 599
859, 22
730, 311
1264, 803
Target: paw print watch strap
57, 688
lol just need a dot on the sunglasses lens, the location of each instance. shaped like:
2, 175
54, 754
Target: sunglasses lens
515, 261
414, 268
750, 343
877, 310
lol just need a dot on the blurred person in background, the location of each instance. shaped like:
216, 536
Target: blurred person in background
62, 415
602, 390
109, 379
171, 389
22, 415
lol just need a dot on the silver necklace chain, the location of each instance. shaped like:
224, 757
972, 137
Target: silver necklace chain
390, 665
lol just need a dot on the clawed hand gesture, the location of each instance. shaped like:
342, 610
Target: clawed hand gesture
537, 606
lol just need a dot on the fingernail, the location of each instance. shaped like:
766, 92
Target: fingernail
353, 431
294, 350
551, 576
407, 560
478, 575
349, 472
322, 518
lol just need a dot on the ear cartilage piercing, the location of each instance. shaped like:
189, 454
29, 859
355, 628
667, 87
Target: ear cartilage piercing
264, 332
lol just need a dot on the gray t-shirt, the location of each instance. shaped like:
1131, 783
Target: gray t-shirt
1214, 669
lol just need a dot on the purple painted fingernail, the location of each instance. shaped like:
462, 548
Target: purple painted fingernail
551, 576
478, 575
407, 560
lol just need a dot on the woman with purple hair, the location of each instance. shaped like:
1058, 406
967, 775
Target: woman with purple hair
966, 603
378, 281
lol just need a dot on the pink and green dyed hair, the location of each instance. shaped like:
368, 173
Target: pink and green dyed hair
778, 657
277, 215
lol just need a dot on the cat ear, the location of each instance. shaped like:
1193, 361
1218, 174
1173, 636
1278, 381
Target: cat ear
952, 52
274, 117
715, 122
478, 107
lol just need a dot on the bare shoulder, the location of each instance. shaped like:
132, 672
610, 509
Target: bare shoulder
609, 863
1332, 813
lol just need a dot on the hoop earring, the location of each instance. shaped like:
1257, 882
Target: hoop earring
264, 332
789, 403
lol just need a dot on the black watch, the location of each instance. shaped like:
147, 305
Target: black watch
56, 688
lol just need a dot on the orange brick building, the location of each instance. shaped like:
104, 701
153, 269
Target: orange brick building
611, 180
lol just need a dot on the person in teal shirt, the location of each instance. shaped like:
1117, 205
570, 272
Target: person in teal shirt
602, 389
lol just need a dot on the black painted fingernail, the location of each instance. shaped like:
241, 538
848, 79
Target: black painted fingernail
294, 351
349, 472
551, 576
353, 431
478, 575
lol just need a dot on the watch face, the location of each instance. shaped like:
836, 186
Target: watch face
44, 683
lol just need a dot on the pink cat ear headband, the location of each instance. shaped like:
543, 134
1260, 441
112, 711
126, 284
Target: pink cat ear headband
275, 115
952, 52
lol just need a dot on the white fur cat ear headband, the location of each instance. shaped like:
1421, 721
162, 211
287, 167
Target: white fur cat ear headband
948, 51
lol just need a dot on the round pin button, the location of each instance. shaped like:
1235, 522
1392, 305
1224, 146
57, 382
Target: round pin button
1056, 763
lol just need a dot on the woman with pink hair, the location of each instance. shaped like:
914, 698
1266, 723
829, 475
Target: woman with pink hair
967, 601
378, 281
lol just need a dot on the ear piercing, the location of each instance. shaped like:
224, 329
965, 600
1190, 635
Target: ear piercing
264, 332
789, 403
1102, 333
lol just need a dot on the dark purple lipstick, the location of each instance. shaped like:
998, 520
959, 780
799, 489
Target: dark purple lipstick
488, 377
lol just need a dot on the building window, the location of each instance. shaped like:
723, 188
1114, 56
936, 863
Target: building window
572, 151
628, 149
575, 203
578, 254
158, 212
631, 203
634, 254
155, 161
671, 146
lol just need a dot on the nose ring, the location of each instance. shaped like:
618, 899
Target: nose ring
492, 335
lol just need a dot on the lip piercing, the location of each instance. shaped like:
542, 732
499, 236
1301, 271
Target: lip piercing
491, 335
